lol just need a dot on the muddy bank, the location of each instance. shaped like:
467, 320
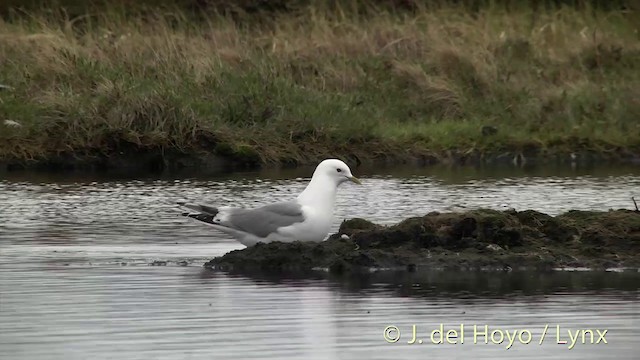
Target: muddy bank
131, 158
474, 240
127, 157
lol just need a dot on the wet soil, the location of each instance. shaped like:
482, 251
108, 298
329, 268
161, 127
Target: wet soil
481, 239
212, 157
126, 157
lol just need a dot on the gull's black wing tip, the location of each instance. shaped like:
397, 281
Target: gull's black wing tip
207, 218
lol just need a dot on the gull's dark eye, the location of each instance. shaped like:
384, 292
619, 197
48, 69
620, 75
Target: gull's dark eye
339, 170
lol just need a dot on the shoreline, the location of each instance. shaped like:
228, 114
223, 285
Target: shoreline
160, 90
160, 160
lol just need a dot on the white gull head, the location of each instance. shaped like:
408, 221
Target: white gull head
329, 174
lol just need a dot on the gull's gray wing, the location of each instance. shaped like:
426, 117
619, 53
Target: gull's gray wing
260, 221
265, 220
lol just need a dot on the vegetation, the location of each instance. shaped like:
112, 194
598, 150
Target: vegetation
300, 85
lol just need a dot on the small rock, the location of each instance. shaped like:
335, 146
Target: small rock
12, 123
494, 247
489, 130
344, 237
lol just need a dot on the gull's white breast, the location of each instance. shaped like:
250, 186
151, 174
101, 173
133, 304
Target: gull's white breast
315, 227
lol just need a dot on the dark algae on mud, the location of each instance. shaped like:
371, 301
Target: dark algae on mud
478, 239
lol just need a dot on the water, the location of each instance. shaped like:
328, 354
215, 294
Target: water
75, 279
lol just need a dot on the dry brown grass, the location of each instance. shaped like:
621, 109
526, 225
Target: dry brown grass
430, 79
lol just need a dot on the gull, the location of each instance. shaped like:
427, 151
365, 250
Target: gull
306, 218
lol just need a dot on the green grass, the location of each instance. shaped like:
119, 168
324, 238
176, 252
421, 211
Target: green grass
318, 82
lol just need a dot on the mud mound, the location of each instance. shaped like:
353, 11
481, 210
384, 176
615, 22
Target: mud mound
476, 239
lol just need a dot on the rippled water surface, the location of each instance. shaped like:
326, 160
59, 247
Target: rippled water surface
76, 280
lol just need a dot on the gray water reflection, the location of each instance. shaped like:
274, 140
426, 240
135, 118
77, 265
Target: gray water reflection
176, 313
75, 281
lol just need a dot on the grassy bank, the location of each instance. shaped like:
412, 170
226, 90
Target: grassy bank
318, 82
